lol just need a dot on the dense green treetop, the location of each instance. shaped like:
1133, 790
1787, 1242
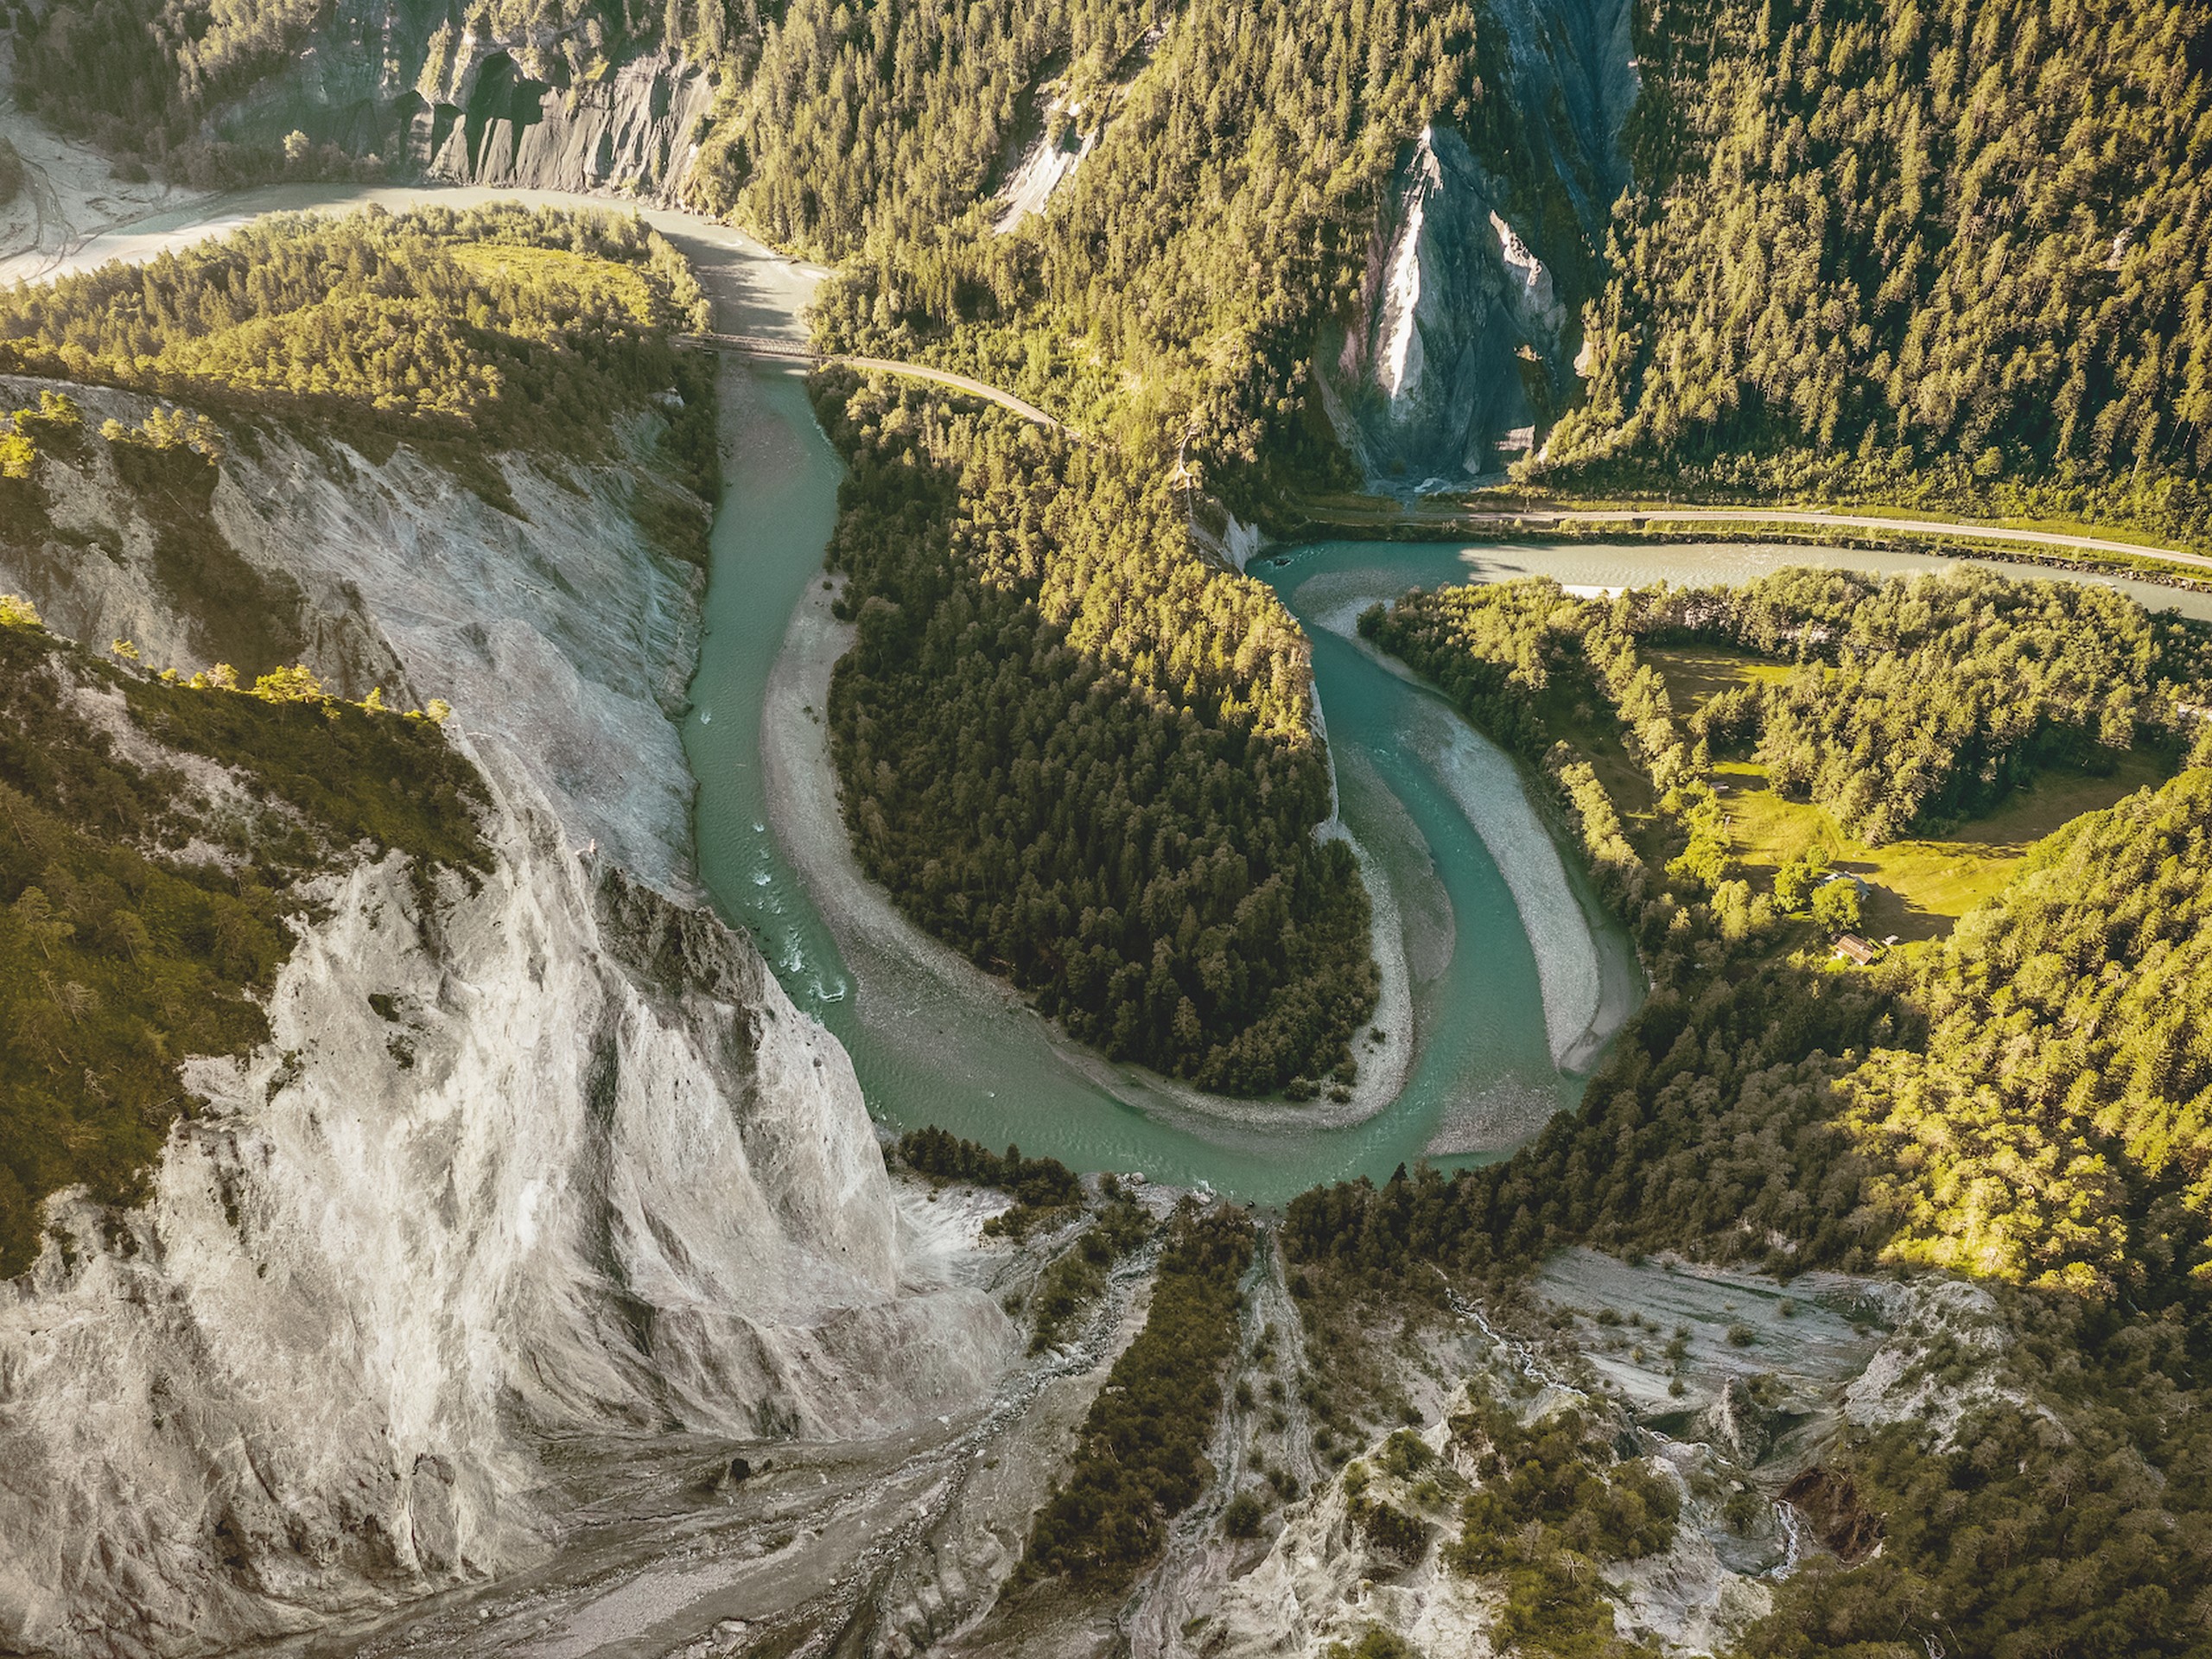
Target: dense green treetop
888, 124
1876, 238
1083, 757
2055, 1124
1917, 702
533, 325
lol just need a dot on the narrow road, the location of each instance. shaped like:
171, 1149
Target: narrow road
1028, 412
778, 348
1643, 518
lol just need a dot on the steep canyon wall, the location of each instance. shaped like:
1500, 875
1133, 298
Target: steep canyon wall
1462, 346
541, 1150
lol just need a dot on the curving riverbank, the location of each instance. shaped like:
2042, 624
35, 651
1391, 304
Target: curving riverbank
1503, 978
801, 787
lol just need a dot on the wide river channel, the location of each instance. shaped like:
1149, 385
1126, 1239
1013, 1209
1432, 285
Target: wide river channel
1504, 978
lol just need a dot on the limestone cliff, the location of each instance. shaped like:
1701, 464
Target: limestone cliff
579, 1164
528, 1153
1458, 334
1462, 346
552, 623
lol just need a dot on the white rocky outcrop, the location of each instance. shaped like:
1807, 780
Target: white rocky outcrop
632, 129
1428, 387
557, 629
549, 104
1459, 352
582, 1165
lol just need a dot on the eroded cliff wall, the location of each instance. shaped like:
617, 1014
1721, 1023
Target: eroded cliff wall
541, 107
539, 1150
552, 622
1463, 344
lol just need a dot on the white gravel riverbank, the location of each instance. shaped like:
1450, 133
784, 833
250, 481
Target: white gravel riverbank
804, 812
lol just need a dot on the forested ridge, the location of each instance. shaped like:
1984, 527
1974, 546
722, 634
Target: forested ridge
1226, 212
1083, 757
1915, 251
517, 324
1935, 251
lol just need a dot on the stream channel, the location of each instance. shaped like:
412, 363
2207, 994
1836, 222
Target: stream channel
1508, 977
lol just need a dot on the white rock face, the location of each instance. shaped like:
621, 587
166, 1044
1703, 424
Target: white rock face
578, 1166
1461, 350
1398, 357
629, 129
557, 632
1428, 386
587, 1167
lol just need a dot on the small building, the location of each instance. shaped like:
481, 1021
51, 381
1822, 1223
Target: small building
1852, 948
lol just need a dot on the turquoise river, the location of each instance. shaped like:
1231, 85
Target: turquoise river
1503, 979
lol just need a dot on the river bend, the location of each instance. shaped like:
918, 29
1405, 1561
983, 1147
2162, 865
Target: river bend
1504, 978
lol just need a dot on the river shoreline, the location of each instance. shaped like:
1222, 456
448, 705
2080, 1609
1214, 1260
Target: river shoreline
1581, 1018
805, 815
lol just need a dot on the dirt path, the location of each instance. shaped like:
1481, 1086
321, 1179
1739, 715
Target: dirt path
1028, 412
778, 349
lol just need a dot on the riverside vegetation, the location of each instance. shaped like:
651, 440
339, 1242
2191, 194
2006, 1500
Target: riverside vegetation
1139, 1458
1082, 756
2020, 1102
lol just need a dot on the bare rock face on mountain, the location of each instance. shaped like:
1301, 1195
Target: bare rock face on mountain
563, 635
532, 1151
1457, 318
540, 1153
1462, 346
545, 107
632, 129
